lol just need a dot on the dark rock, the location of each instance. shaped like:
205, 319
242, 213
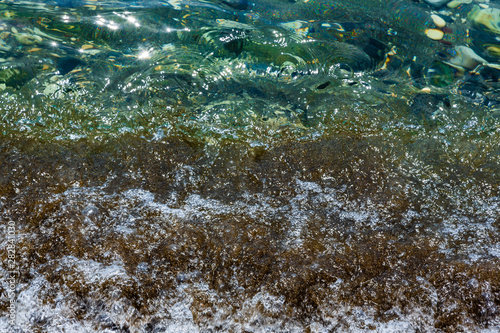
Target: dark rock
67, 64
424, 106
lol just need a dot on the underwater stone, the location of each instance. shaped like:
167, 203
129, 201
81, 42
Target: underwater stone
438, 21
436, 3
486, 19
434, 34
493, 51
456, 3
467, 58
27, 39
51, 88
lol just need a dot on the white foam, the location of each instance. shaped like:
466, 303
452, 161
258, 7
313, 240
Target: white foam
94, 272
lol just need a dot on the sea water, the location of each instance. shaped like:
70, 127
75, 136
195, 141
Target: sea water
239, 166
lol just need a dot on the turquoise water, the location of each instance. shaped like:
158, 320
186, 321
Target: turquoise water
234, 166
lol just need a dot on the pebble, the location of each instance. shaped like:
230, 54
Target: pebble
456, 3
51, 88
438, 21
434, 34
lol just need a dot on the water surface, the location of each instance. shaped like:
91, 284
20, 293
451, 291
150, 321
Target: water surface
233, 166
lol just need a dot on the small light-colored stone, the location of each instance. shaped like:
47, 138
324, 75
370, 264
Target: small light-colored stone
90, 51
456, 3
438, 21
467, 58
434, 34
51, 88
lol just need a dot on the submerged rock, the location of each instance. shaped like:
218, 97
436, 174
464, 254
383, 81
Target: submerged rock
486, 19
456, 3
14, 77
438, 21
28, 39
425, 106
434, 34
437, 3
467, 58
67, 64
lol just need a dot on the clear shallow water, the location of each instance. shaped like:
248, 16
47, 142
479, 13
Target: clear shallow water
283, 167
